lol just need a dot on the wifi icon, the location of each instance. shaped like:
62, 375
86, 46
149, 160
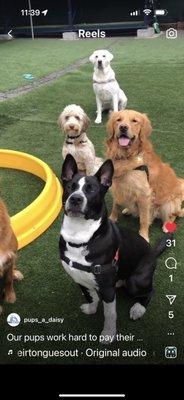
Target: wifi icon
147, 11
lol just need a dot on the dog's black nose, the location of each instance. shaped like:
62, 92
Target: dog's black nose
123, 128
99, 62
76, 200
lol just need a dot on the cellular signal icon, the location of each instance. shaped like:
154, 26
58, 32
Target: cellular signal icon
147, 11
135, 13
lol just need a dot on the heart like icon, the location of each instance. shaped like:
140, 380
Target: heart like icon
171, 226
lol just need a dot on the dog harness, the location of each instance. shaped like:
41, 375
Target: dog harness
143, 168
95, 269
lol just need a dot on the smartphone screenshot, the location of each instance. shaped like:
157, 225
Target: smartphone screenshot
92, 196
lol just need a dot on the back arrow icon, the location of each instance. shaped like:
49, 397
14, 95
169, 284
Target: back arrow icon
9, 33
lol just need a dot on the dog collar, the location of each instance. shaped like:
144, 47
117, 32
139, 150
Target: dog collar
67, 142
74, 137
117, 158
81, 141
102, 82
138, 157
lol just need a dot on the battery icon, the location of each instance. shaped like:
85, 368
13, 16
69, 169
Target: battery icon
161, 12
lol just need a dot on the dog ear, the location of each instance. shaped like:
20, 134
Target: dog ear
110, 126
91, 58
146, 128
69, 168
110, 56
105, 173
59, 122
86, 122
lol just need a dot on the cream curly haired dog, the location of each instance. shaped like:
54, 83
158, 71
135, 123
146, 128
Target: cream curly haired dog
74, 122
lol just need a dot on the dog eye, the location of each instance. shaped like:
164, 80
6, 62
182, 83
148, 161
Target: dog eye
73, 186
119, 119
77, 117
67, 117
103, 55
96, 56
88, 187
134, 120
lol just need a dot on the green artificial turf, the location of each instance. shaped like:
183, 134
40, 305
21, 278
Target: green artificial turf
151, 74
39, 58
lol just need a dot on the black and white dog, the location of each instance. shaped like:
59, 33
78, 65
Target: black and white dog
89, 242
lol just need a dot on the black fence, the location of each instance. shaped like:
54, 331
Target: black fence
69, 13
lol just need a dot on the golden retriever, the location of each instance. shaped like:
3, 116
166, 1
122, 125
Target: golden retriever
151, 191
8, 249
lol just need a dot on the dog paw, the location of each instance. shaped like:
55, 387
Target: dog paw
137, 311
89, 308
17, 275
10, 297
98, 120
107, 337
126, 211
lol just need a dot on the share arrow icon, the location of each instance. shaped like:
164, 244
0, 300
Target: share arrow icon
171, 298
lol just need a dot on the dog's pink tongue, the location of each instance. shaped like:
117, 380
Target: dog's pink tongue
123, 141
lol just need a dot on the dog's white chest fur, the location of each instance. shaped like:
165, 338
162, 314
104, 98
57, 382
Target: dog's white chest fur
105, 91
83, 278
78, 230
77, 254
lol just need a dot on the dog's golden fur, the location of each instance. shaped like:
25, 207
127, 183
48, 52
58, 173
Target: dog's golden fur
162, 194
8, 249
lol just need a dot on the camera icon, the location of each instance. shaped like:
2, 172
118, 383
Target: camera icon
171, 33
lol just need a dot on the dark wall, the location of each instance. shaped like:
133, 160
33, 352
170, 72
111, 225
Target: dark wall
175, 8
84, 11
106, 11
119, 10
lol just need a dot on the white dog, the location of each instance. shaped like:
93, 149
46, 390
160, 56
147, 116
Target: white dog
74, 122
109, 96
